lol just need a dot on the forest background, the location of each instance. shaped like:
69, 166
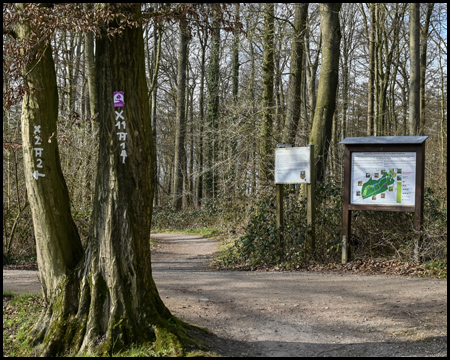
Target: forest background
222, 98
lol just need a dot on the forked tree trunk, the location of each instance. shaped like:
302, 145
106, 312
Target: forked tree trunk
106, 299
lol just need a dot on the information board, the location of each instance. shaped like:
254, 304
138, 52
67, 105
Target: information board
292, 165
383, 178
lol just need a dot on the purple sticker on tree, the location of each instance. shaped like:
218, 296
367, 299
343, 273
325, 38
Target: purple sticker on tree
119, 99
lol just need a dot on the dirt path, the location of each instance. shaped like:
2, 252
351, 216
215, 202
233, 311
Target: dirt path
298, 313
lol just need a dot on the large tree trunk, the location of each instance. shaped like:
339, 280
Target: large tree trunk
106, 299
58, 244
326, 96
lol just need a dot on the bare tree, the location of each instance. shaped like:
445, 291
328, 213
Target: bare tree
414, 85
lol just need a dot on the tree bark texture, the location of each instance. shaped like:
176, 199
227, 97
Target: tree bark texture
58, 244
292, 121
107, 298
90, 71
414, 85
326, 96
266, 132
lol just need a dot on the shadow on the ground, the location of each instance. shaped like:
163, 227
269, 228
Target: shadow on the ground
428, 347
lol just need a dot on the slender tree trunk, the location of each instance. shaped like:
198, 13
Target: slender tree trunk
443, 118
75, 91
292, 121
311, 74
212, 111
180, 153
157, 38
414, 85
279, 113
203, 42
69, 65
371, 83
384, 68
90, 70
232, 164
326, 97
235, 59
266, 144
423, 65
345, 91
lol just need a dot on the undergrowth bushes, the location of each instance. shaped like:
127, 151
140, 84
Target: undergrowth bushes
220, 214
374, 234
265, 245
258, 242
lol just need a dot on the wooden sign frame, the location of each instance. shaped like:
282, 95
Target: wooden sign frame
383, 144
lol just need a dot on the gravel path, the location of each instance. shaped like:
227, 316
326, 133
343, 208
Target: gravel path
292, 313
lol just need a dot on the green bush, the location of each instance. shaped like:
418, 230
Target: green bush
375, 234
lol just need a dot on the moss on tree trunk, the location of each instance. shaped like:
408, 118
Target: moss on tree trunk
104, 299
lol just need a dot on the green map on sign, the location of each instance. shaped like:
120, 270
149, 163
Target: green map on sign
377, 186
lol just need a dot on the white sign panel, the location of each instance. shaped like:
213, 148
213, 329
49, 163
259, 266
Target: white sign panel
292, 165
383, 178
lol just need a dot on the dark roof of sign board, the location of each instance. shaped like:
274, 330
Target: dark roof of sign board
384, 140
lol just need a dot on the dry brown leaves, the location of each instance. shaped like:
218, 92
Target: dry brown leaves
357, 266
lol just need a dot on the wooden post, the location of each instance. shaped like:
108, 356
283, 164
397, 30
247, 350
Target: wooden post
420, 189
280, 221
346, 223
311, 206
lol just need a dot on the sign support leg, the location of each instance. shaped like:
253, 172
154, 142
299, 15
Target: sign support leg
420, 191
311, 207
280, 220
346, 236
